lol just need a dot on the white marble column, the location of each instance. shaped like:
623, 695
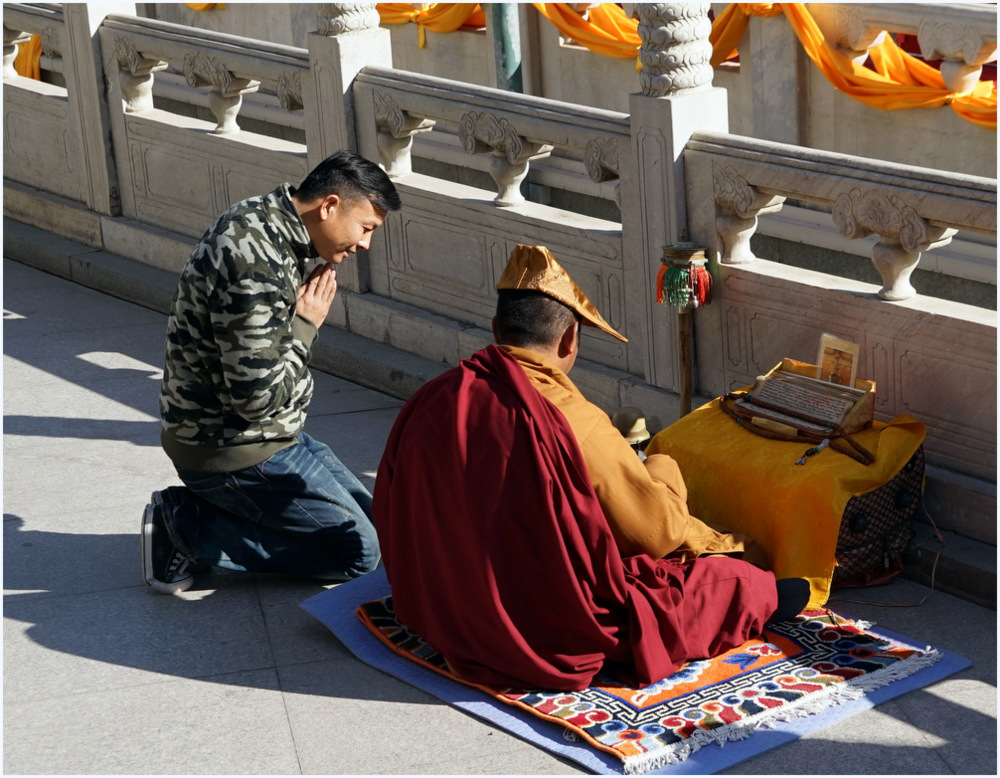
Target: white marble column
347, 39
84, 74
677, 99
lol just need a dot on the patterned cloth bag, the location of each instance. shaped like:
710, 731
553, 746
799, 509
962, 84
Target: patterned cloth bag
877, 527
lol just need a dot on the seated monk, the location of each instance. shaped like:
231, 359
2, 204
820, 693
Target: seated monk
525, 540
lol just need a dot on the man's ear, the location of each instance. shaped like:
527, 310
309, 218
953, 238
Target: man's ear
568, 343
328, 206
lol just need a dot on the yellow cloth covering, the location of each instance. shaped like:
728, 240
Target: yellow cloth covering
752, 485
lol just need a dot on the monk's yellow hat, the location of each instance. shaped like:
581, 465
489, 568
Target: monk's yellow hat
533, 268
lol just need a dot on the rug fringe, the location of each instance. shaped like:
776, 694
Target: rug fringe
815, 703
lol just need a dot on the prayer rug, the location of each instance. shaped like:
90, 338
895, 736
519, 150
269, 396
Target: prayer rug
795, 678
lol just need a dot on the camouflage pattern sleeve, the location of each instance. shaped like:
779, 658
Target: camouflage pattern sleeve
236, 371
262, 362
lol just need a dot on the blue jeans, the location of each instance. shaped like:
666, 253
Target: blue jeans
301, 512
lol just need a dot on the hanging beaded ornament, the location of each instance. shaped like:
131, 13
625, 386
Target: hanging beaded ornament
683, 281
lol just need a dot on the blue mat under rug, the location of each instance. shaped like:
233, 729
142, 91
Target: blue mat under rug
708, 716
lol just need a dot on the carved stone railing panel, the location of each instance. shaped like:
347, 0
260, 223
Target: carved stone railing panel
172, 167
674, 51
222, 63
450, 245
912, 210
51, 132
964, 36
513, 129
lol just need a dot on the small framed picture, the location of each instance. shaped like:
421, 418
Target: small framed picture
837, 360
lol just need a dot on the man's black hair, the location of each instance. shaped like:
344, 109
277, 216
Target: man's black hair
526, 318
352, 178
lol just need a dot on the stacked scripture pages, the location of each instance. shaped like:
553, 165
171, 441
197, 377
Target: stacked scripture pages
803, 402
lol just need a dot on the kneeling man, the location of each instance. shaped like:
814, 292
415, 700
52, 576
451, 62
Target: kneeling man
525, 540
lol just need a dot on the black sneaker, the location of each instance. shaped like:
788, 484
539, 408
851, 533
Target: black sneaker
164, 566
793, 596
194, 565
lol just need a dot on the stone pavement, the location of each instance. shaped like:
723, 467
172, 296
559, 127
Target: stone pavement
103, 676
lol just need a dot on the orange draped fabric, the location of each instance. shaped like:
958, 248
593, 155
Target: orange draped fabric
899, 80
606, 30
27, 61
904, 82
730, 26
437, 17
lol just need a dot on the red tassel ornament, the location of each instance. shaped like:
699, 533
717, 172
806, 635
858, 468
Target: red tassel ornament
683, 280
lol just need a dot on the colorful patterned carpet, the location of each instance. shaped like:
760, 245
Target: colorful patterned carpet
795, 678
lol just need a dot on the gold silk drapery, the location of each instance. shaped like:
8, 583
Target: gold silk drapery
606, 30
730, 26
437, 17
899, 81
28, 59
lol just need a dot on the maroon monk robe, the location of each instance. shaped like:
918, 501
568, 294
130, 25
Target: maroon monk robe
498, 553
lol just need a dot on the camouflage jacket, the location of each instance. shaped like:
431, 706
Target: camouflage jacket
235, 378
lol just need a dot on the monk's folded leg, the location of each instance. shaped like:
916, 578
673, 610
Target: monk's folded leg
726, 601
683, 611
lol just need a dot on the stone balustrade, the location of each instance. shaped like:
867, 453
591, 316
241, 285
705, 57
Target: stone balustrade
176, 169
513, 129
52, 124
912, 210
964, 36
452, 242
220, 63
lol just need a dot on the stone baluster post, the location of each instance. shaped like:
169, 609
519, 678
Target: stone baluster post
904, 235
846, 30
486, 133
738, 206
11, 40
227, 89
396, 129
963, 49
347, 38
677, 98
135, 74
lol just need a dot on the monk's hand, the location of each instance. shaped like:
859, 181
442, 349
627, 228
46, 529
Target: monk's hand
316, 295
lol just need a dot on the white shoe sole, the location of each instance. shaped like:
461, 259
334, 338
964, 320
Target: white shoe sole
146, 534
